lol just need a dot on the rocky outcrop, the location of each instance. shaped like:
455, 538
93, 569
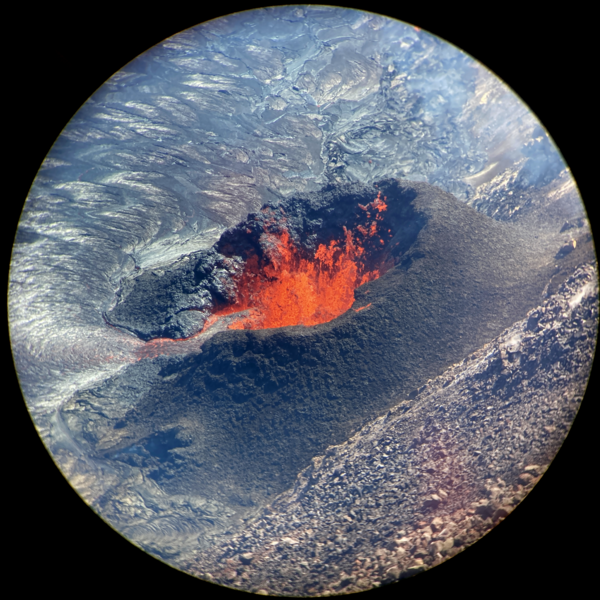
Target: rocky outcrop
238, 418
416, 486
420, 221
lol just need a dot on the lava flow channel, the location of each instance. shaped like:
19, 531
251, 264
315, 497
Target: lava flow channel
287, 289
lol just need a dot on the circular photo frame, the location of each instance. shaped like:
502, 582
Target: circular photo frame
337, 453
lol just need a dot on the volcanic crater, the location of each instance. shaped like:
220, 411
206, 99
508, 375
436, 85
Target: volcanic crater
246, 407
295, 262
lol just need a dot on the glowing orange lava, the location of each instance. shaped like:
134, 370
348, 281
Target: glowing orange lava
288, 289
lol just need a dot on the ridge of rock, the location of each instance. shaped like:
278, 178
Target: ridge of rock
419, 484
234, 421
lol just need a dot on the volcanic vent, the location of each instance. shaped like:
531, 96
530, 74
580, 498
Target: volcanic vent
295, 262
256, 402
294, 275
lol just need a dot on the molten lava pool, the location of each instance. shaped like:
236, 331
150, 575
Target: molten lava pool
287, 287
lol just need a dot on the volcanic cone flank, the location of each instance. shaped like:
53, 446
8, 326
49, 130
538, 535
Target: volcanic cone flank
238, 420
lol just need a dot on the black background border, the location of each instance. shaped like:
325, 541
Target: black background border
55, 59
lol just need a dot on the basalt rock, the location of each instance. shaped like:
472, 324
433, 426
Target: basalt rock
255, 406
176, 303
418, 485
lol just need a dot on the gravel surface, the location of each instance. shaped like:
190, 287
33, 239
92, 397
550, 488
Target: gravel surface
429, 478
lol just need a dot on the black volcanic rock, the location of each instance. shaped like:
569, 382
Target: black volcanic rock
255, 406
176, 303
432, 475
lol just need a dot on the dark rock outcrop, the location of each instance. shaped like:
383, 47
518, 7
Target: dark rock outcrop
432, 476
256, 406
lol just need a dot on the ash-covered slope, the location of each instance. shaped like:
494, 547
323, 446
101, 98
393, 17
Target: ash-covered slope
417, 485
238, 420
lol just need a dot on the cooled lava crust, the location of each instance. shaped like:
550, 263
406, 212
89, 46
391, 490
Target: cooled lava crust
238, 419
